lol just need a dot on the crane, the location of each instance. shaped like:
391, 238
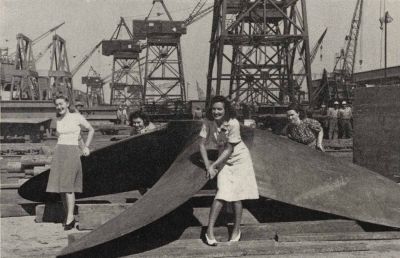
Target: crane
36, 40
84, 59
41, 54
314, 52
346, 61
198, 12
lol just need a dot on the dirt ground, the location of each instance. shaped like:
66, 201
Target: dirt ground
23, 237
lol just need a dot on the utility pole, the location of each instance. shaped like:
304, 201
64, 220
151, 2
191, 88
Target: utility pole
385, 20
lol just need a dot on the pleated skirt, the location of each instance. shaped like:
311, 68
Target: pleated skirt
66, 170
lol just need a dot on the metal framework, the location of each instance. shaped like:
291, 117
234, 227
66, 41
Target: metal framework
253, 49
346, 61
24, 84
164, 78
94, 88
126, 78
60, 77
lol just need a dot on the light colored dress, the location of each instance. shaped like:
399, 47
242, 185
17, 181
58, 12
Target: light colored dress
236, 179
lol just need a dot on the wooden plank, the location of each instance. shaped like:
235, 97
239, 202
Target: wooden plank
222, 233
35, 160
318, 226
196, 248
339, 236
92, 216
49, 212
17, 210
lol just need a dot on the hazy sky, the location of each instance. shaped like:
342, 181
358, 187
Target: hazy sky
89, 21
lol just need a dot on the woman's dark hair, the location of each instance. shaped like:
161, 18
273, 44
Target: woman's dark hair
296, 107
71, 108
139, 114
229, 110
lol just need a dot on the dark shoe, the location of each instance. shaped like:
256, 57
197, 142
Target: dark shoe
70, 226
210, 242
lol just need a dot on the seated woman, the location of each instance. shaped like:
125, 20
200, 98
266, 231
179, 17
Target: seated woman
140, 123
236, 179
307, 131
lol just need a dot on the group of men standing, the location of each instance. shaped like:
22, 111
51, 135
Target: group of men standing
339, 121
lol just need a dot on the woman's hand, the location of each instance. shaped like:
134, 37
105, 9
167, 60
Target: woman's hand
86, 151
320, 147
211, 172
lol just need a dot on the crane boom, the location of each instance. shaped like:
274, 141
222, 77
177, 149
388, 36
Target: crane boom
40, 55
84, 60
314, 52
198, 12
36, 40
346, 60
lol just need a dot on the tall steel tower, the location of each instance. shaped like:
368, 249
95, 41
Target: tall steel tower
164, 79
60, 77
254, 49
126, 81
24, 78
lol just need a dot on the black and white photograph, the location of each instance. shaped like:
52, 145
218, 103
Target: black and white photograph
199, 128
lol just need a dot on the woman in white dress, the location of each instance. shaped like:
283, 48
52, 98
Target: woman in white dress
234, 167
66, 170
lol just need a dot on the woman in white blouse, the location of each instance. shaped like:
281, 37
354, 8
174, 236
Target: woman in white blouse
66, 169
236, 180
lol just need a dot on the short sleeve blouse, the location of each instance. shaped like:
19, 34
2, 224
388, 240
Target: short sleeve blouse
229, 131
69, 128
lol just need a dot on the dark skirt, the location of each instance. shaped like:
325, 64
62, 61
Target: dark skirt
66, 170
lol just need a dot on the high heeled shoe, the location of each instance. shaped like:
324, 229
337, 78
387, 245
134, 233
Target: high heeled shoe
237, 238
210, 242
70, 226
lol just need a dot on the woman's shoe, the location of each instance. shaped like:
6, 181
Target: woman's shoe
211, 242
70, 226
237, 238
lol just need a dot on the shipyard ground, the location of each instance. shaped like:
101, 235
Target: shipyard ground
22, 237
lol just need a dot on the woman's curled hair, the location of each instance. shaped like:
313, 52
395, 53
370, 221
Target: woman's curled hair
229, 110
139, 114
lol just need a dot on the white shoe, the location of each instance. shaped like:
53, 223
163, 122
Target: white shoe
210, 242
237, 238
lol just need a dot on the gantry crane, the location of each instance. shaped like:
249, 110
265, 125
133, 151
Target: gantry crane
60, 77
253, 48
94, 88
126, 79
24, 77
24, 83
164, 77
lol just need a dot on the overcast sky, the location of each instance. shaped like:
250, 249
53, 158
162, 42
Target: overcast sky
89, 21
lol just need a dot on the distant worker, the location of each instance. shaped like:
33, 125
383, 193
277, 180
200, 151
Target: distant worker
307, 131
333, 113
345, 115
197, 113
66, 169
234, 168
140, 123
120, 115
